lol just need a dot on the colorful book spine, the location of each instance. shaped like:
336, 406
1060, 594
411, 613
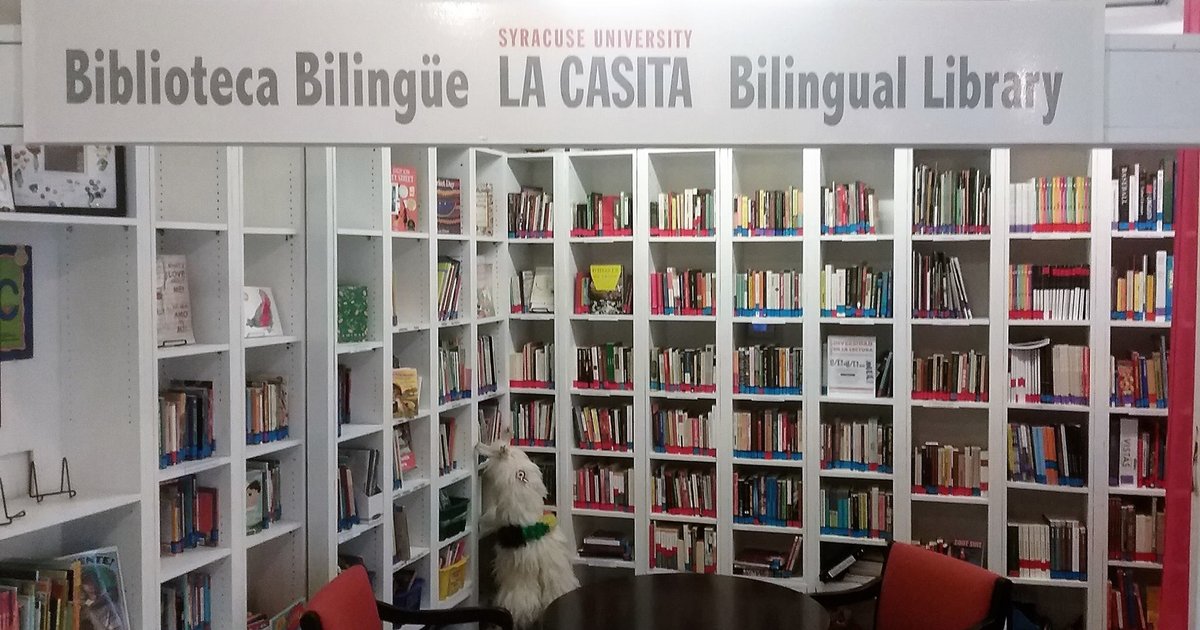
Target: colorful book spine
680, 432
683, 492
604, 215
768, 370
1144, 289
604, 487
533, 422
957, 376
769, 499
609, 366
683, 369
861, 445
944, 469
951, 201
856, 512
856, 291
768, 434
849, 209
689, 213
683, 292
1055, 550
603, 428
1144, 197
768, 294
530, 214
1051, 204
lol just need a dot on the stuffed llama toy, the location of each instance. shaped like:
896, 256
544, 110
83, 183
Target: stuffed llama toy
533, 558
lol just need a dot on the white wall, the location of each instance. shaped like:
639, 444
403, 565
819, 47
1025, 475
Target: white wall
1166, 19
10, 11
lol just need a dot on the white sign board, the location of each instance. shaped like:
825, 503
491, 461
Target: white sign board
850, 366
563, 73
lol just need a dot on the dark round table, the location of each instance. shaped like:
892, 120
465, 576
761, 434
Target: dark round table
684, 601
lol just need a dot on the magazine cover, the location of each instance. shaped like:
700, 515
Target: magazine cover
406, 392
607, 290
102, 592
404, 199
449, 206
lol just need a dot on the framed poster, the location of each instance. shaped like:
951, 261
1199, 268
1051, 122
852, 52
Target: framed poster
16, 302
68, 179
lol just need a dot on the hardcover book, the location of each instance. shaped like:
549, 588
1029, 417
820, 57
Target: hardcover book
405, 213
260, 313
406, 392
351, 313
16, 302
449, 206
173, 302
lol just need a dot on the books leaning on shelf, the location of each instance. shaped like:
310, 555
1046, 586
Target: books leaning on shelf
1051, 204
189, 516
545, 464
1048, 455
965, 550
263, 486
604, 215
347, 513
770, 563
1145, 290
343, 397
855, 292
1137, 451
606, 544
858, 512
186, 422
959, 376
768, 434
609, 366
939, 291
533, 422
683, 491
491, 429
1048, 292
266, 410
404, 461
768, 370
362, 492
1141, 380
1144, 199
682, 292
950, 470
449, 206
532, 291
186, 602
689, 213
683, 369
681, 432
1043, 373
447, 454
487, 365
862, 445
603, 290
849, 209
405, 200
532, 367
604, 487
1054, 550
603, 428
454, 377
767, 499
172, 302
44, 594
406, 392
769, 213
956, 201
530, 213
1136, 533
353, 321
768, 294
289, 617
485, 210
449, 277
680, 547
1132, 605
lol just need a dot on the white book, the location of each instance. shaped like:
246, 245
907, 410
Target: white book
1160, 282
541, 297
1127, 452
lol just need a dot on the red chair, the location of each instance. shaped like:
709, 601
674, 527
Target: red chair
348, 603
925, 590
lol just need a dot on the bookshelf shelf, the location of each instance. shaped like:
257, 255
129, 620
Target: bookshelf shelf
835, 473
603, 393
453, 477
171, 567
585, 452
950, 404
542, 450
420, 415
865, 541
403, 328
358, 347
536, 391
532, 317
270, 231
1144, 412
184, 469
1128, 564
66, 219
603, 563
768, 529
456, 404
777, 398
858, 321
494, 319
665, 395
769, 321
59, 511
602, 513
948, 321
601, 239
410, 486
1049, 407
1042, 487
683, 318
682, 239
415, 554
1050, 236
1136, 492
459, 596
453, 237
354, 431
1050, 323
266, 342
348, 535
676, 457
948, 498
857, 238
362, 232
416, 236
1129, 323
276, 530
499, 393
1020, 581
191, 350
270, 448
951, 238
1143, 234
682, 518
769, 463
767, 239
592, 317
191, 226
454, 323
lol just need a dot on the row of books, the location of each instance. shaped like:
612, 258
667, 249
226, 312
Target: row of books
606, 544
683, 491
950, 470
1054, 455
530, 213
487, 364
1049, 292
767, 499
1051, 204
546, 465
609, 366
1136, 535
773, 563
856, 291
938, 288
1144, 198
683, 369
266, 410
447, 455
491, 425
84, 590
404, 460
604, 290
859, 512
776, 370
963, 549
680, 547
683, 292
863, 445
449, 279
186, 603
1132, 605
1141, 380
769, 213
958, 376
186, 422
953, 201
849, 209
604, 428
680, 431
768, 294
604, 487
532, 291
189, 515
604, 215
1145, 289
454, 373
1041, 372
533, 366
1056, 550
264, 483
533, 422
768, 434
1137, 450
689, 213
357, 481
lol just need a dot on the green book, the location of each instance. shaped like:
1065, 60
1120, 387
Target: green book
351, 313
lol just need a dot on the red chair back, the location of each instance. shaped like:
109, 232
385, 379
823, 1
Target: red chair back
346, 603
925, 590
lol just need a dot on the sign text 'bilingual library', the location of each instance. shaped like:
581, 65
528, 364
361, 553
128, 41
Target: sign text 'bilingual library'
526, 73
